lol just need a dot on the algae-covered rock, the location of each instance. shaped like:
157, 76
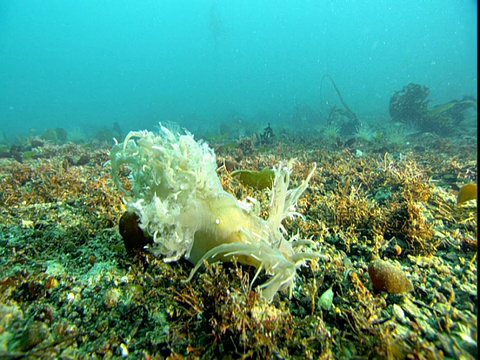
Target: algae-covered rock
387, 277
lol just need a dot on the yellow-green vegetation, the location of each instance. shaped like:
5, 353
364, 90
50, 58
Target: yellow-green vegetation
258, 179
466, 193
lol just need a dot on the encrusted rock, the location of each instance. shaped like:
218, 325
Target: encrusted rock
132, 234
388, 277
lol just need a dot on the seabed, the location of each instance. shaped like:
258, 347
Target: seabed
70, 290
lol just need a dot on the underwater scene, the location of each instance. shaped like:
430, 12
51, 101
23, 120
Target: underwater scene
238, 179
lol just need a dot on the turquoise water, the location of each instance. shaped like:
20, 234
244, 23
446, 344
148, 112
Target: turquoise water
83, 65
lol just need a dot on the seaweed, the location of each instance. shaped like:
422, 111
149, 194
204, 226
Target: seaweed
410, 106
345, 119
257, 179
466, 193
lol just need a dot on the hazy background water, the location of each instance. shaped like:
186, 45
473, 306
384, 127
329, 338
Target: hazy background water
84, 64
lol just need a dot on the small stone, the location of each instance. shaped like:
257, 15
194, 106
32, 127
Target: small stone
51, 283
325, 301
132, 234
388, 277
124, 350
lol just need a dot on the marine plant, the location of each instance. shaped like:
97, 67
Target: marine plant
348, 110
175, 191
258, 179
410, 105
466, 193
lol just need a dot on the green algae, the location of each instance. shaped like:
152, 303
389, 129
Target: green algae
258, 179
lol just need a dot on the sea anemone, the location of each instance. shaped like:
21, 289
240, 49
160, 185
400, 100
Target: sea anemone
179, 200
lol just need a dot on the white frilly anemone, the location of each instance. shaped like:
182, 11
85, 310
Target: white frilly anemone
178, 197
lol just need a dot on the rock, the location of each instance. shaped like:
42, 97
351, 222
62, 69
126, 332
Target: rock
387, 277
